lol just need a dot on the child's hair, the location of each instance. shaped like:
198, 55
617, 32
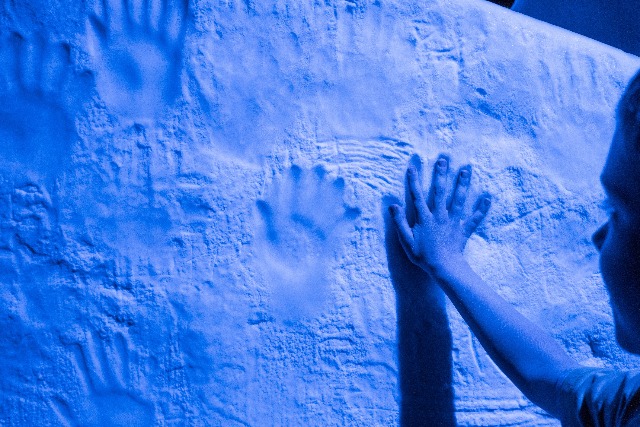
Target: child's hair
629, 111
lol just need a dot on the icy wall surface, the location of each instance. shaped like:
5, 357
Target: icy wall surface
192, 199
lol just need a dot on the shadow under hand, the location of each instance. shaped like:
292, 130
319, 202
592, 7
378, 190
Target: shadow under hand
424, 337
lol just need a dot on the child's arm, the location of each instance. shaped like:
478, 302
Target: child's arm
524, 352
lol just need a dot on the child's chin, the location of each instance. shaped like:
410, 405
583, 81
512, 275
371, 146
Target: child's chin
627, 340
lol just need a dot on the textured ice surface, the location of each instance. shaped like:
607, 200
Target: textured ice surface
191, 207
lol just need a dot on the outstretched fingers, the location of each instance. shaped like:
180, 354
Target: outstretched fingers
414, 182
438, 190
155, 14
176, 20
116, 14
479, 213
402, 226
108, 17
463, 181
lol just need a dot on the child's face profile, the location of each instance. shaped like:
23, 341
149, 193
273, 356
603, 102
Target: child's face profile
618, 240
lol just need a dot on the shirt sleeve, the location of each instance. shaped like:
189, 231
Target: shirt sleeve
599, 398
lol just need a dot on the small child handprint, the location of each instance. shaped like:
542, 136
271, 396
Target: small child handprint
40, 94
304, 217
32, 215
108, 396
137, 51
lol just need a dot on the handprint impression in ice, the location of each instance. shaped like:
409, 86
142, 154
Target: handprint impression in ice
136, 47
304, 217
108, 397
40, 93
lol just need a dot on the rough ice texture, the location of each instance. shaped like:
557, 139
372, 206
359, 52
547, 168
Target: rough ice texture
191, 208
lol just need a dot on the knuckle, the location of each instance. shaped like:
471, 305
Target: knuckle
441, 219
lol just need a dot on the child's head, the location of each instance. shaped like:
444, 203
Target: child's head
618, 240
628, 113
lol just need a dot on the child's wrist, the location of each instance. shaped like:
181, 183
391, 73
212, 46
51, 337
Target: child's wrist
448, 268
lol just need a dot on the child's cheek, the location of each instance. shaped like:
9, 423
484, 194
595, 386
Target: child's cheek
633, 258
620, 266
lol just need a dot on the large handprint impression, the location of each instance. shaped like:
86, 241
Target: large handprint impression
108, 396
304, 218
40, 93
136, 47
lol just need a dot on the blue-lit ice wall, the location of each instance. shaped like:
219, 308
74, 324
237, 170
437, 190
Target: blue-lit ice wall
192, 198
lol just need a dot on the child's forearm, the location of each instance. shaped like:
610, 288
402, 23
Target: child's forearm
435, 242
528, 355
424, 356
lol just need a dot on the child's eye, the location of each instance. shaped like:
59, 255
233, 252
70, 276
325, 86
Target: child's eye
607, 206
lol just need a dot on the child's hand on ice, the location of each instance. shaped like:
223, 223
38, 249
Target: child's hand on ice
437, 240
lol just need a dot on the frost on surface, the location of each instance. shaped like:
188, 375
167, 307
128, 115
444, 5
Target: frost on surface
192, 198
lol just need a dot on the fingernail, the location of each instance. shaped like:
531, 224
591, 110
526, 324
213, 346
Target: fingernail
486, 203
442, 162
413, 171
392, 209
465, 174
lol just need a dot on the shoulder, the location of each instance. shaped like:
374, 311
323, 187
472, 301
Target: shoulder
600, 397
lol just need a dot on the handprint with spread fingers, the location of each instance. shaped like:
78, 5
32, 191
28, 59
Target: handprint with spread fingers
136, 47
109, 396
41, 91
441, 230
303, 218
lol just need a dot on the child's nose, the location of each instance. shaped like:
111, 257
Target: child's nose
600, 235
